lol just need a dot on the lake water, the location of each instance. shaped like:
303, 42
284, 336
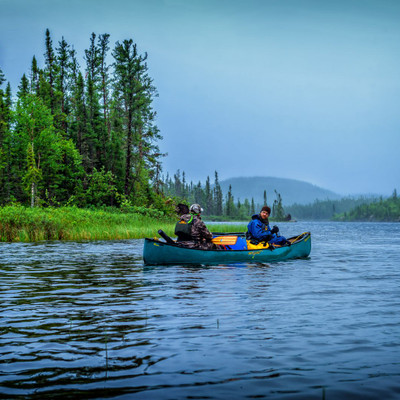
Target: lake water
88, 320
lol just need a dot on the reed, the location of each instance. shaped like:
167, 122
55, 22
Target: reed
225, 228
23, 224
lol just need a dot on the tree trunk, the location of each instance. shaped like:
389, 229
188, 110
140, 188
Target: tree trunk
32, 194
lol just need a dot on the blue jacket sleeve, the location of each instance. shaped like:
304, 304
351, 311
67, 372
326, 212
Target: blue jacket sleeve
256, 228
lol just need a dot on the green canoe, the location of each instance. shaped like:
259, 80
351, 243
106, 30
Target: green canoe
157, 252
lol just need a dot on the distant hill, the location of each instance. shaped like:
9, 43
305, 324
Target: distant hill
291, 190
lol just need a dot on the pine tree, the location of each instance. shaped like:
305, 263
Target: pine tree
103, 49
218, 196
5, 121
93, 135
277, 209
134, 92
208, 197
230, 203
62, 81
23, 88
52, 163
50, 71
34, 77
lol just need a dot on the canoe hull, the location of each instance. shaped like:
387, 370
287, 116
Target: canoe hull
156, 252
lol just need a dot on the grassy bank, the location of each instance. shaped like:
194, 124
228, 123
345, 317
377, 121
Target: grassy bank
223, 228
23, 224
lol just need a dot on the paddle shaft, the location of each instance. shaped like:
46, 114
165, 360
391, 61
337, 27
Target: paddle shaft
165, 236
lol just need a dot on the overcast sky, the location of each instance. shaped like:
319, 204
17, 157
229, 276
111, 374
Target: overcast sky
300, 89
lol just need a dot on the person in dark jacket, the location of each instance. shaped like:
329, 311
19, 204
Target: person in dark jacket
183, 228
259, 230
191, 231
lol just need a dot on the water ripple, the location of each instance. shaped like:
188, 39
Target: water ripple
88, 320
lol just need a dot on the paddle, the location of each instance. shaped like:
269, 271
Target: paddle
165, 237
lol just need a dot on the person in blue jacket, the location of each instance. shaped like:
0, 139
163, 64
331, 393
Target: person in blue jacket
258, 229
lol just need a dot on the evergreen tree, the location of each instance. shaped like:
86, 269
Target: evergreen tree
50, 72
34, 77
230, 205
23, 88
62, 81
5, 121
95, 130
209, 201
217, 196
134, 92
277, 209
79, 121
103, 49
62, 122
53, 164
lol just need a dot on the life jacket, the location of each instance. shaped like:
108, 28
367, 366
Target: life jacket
183, 230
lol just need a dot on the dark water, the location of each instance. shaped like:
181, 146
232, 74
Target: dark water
87, 320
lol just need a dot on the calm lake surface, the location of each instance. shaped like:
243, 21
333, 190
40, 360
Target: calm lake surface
88, 320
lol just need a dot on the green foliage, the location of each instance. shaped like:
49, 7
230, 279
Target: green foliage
211, 199
277, 208
53, 162
326, 209
101, 188
18, 223
81, 137
380, 210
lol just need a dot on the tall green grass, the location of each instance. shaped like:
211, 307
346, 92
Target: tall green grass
228, 227
22, 224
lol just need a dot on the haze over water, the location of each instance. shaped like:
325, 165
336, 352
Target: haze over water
89, 320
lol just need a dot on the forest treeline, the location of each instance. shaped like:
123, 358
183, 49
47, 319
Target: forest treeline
387, 210
83, 136
327, 209
213, 200
222, 206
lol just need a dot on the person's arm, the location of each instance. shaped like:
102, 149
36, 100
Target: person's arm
259, 232
200, 231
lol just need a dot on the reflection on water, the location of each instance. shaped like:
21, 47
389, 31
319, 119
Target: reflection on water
88, 320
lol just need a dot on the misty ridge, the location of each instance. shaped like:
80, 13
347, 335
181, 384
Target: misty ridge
292, 191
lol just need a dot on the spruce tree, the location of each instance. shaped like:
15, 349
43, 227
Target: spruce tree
23, 88
208, 197
5, 119
92, 138
230, 205
62, 81
50, 71
34, 77
217, 196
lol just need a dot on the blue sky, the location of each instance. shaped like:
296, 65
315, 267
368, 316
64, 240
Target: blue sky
300, 89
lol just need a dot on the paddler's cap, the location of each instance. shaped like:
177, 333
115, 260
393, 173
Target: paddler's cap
267, 209
196, 209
